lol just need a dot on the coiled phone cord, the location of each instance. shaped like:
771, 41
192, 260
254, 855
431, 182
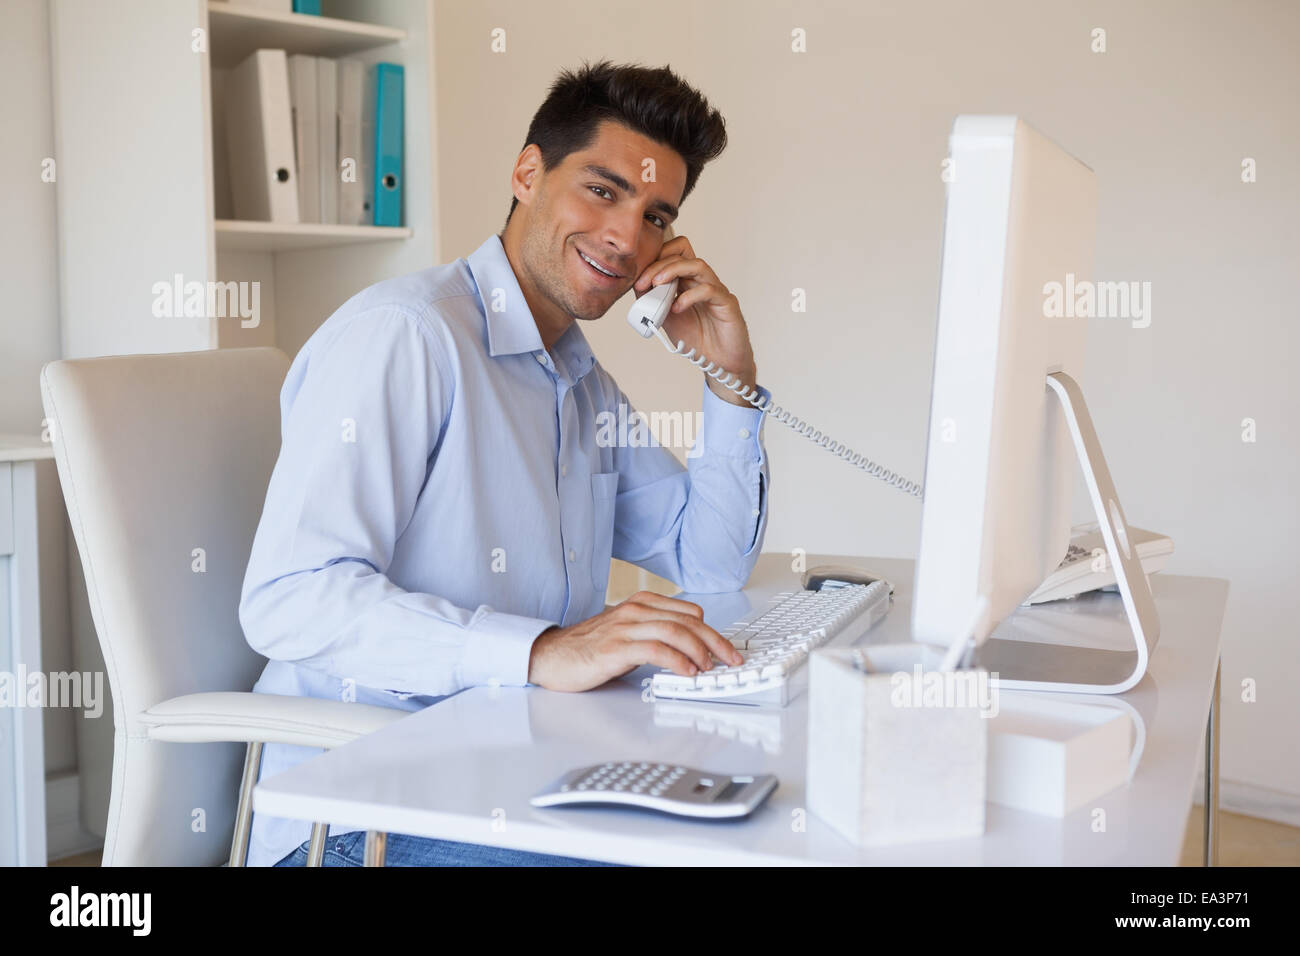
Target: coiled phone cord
751, 395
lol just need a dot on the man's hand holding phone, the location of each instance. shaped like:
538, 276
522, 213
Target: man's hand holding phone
706, 316
647, 628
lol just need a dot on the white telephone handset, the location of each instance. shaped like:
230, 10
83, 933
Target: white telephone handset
650, 311
647, 316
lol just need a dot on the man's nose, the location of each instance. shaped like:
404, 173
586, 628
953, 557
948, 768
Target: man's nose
619, 246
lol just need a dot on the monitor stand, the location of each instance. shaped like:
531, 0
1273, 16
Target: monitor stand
1046, 665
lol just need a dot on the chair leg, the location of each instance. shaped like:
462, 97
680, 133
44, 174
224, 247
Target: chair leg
376, 844
244, 812
316, 852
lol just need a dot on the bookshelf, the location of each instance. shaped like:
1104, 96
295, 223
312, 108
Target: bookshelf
234, 235
144, 192
237, 31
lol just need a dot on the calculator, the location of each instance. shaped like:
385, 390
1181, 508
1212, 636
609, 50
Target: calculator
666, 787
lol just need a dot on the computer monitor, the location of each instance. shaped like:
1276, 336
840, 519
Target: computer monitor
1004, 440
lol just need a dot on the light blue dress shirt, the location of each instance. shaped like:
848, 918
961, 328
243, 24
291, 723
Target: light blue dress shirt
444, 494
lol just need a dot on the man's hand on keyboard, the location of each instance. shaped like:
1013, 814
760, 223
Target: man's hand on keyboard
647, 628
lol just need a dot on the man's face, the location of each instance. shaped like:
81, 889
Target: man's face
595, 203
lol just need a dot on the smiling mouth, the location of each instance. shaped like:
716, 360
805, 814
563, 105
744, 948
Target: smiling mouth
596, 267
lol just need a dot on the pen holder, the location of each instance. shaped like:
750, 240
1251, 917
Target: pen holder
897, 750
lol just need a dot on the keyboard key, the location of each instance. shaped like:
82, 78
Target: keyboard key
670, 680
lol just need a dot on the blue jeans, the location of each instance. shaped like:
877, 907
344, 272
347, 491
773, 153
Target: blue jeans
346, 849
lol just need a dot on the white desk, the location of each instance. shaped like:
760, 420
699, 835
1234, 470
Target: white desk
464, 768
22, 746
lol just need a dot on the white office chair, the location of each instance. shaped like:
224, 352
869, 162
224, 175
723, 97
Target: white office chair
164, 462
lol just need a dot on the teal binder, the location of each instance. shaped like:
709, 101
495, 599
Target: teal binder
388, 144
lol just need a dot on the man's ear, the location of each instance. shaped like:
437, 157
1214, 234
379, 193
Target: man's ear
526, 167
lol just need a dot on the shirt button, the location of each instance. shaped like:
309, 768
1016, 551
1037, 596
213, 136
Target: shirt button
541, 358
573, 555
564, 470
743, 433
757, 512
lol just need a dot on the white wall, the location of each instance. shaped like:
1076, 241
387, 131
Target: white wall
831, 183
131, 168
29, 324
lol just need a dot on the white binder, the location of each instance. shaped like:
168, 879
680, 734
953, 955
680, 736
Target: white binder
259, 139
352, 194
328, 129
304, 95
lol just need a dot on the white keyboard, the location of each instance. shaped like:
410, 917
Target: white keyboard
777, 642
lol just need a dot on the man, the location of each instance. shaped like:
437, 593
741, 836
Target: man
442, 514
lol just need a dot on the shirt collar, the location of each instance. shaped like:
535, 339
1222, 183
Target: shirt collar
513, 330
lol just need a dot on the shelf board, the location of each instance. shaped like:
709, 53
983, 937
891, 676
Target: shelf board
237, 31
14, 447
234, 235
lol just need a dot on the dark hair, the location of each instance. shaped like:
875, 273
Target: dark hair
657, 103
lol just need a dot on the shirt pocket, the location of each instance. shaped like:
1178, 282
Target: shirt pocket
604, 490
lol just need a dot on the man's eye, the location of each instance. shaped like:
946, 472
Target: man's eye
659, 222
601, 189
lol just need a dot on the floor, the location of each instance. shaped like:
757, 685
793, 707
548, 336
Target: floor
1243, 841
